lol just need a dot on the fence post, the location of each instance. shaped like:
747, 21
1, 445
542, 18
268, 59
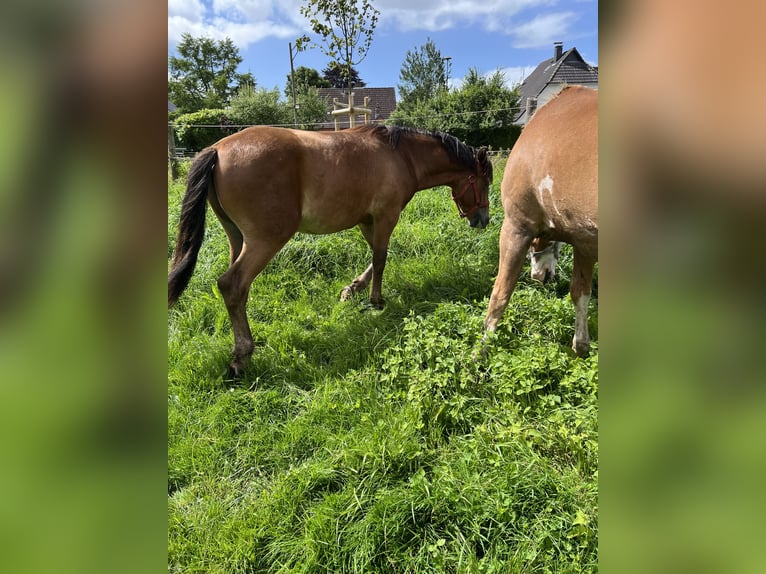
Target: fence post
172, 163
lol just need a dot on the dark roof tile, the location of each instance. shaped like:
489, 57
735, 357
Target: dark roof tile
571, 68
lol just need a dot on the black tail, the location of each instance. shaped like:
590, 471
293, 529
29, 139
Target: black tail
191, 226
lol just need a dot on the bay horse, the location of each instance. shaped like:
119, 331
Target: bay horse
265, 184
550, 193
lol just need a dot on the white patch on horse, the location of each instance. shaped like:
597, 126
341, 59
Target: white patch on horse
546, 185
582, 337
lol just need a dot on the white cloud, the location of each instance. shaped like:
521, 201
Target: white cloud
435, 15
244, 21
190, 10
515, 75
242, 34
543, 30
248, 21
244, 10
178, 25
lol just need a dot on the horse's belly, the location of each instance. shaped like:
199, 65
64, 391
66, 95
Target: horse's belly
325, 224
318, 228
323, 213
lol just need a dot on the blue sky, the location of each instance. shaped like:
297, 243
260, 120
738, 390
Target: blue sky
508, 35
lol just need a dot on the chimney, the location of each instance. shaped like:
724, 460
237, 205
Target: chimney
557, 50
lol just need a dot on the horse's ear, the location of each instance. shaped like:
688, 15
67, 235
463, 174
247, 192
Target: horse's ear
481, 155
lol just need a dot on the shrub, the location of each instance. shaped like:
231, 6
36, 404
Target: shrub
253, 106
200, 129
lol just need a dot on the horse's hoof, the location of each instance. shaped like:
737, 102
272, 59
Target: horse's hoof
234, 372
482, 351
346, 294
379, 304
581, 348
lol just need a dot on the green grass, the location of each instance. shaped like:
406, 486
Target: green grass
374, 441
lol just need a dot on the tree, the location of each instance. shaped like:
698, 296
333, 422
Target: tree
312, 110
264, 107
346, 28
305, 78
205, 74
480, 112
423, 74
339, 76
259, 106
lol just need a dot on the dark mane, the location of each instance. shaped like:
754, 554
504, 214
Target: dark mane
462, 152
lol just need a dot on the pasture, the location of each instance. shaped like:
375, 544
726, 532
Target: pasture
364, 440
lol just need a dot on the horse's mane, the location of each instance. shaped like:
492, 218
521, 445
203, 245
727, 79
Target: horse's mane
462, 152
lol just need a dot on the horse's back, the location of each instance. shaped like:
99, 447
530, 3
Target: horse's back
283, 149
551, 178
254, 143
314, 182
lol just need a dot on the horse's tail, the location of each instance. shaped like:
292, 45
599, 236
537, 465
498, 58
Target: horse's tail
191, 226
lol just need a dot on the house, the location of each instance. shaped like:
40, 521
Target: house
550, 76
381, 102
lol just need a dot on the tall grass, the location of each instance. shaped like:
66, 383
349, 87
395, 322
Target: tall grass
374, 441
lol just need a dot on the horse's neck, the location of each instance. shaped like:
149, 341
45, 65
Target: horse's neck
432, 165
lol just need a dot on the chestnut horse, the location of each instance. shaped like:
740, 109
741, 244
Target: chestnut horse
550, 193
265, 184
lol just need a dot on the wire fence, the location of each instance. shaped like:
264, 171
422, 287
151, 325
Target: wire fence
305, 125
184, 153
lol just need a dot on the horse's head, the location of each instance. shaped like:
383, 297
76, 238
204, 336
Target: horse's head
471, 195
545, 255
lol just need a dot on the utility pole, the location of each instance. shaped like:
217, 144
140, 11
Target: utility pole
447, 60
292, 84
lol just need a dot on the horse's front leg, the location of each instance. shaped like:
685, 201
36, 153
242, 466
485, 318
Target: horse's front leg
579, 291
377, 234
379, 257
382, 229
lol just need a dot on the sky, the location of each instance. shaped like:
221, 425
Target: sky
512, 36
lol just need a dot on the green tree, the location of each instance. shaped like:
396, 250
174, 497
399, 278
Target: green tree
204, 75
305, 78
480, 112
312, 109
259, 106
339, 76
423, 74
346, 28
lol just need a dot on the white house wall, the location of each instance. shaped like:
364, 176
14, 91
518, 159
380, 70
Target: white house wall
548, 93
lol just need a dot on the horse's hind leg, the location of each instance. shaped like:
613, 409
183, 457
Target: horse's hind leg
234, 285
514, 243
235, 240
358, 284
361, 281
579, 290
232, 231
